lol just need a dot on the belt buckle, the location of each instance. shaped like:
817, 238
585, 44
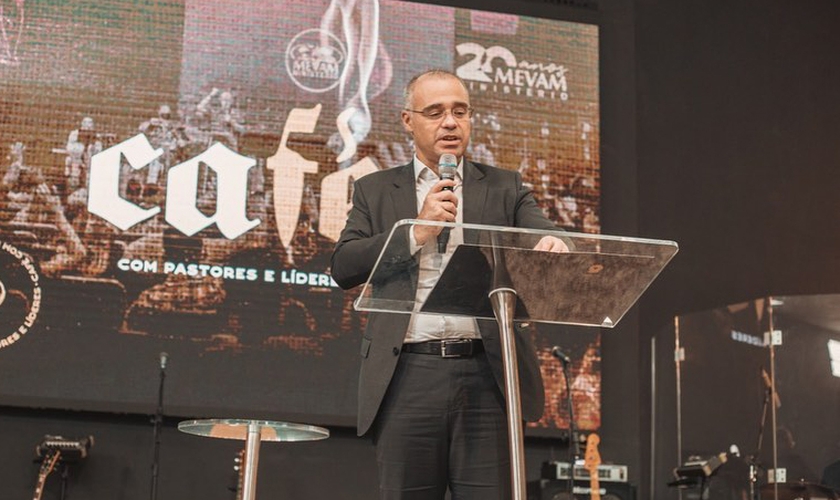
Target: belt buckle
444, 343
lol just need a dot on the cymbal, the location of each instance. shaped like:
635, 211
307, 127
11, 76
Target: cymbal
799, 491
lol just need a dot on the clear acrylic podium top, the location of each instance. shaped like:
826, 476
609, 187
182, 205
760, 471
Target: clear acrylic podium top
594, 284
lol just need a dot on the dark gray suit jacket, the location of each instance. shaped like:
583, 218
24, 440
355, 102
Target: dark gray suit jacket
492, 196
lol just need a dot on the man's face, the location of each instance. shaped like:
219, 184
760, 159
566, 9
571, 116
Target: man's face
445, 134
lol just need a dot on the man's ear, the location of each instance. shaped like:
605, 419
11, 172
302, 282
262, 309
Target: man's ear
405, 117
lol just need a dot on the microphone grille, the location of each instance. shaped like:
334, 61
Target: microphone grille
447, 166
448, 159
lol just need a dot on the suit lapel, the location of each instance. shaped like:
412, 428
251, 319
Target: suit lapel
475, 195
404, 202
404, 197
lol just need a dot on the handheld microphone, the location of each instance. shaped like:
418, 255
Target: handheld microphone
447, 168
163, 359
557, 353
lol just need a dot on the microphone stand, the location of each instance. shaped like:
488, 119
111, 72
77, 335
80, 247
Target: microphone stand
754, 459
573, 455
65, 473
158, 421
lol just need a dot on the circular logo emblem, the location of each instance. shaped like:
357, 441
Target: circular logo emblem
315, 59
20, 294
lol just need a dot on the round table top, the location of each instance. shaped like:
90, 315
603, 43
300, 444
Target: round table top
238, 429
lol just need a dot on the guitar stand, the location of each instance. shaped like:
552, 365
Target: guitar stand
65, 474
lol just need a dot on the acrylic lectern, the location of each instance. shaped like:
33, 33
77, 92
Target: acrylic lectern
492, 272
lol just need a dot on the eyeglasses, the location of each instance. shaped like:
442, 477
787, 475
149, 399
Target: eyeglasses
436, 113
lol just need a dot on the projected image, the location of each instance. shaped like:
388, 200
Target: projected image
585, 382
177, 176
11, 30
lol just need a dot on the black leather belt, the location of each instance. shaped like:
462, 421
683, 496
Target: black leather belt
452, 348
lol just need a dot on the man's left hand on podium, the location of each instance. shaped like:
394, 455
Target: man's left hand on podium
552, 244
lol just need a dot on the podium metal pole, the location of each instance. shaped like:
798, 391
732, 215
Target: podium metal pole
503, 299
504, 305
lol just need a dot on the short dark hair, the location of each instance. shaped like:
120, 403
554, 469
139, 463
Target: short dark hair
436, 72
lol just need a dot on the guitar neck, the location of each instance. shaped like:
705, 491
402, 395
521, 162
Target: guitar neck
39, 487
594, 487
240, 476
47, 466
593, 460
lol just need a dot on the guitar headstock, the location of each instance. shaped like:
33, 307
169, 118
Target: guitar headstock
49, 462
592, 459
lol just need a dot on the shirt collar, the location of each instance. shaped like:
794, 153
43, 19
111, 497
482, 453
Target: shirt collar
419, 168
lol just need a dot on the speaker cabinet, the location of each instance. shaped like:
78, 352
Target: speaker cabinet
555, 489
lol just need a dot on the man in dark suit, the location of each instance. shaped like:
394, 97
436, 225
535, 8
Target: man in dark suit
431, 387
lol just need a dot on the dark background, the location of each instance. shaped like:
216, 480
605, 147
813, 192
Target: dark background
719, 130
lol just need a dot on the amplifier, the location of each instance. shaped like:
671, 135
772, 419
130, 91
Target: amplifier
549, 489
608, 473
72, 450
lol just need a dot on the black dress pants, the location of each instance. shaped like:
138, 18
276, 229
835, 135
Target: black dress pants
443, 425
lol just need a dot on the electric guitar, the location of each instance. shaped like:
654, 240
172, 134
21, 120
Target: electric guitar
47, 466
591, 462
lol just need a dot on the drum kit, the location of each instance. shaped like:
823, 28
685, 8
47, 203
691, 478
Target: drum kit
798, 491
727, 476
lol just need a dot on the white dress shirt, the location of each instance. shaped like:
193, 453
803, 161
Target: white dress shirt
423, 327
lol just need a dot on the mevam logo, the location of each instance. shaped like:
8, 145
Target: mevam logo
315, 59
496, 69
20, 294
